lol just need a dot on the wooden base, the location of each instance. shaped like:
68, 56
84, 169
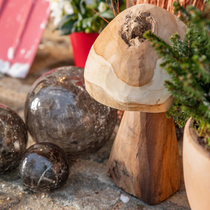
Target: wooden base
145, 160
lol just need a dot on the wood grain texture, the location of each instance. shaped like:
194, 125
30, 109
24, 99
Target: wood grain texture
144, 160
168, 4
125, 66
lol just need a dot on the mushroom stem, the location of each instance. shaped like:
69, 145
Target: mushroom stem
145, 160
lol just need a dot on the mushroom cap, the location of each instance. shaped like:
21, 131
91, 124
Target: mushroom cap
122, 70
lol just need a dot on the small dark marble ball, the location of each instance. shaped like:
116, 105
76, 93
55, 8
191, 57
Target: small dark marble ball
44, 167
58, 109
13, 139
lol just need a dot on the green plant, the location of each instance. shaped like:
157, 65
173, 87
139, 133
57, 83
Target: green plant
188, 63
84, 16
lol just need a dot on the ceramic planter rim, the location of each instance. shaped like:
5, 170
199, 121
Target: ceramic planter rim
193, 138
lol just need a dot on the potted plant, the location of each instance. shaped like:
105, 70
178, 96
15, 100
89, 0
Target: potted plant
82, 20
188, 63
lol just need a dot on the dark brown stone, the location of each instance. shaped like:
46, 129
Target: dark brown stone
58, 109
44, 167
13, 139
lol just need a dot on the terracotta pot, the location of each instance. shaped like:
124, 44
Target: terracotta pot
81, 44
196, 162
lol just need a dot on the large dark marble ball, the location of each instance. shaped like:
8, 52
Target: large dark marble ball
13, 139
44, 167
58, 109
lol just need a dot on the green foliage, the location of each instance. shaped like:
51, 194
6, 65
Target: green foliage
85, 19
187, 61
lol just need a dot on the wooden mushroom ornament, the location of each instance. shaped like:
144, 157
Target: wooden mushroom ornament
122, 71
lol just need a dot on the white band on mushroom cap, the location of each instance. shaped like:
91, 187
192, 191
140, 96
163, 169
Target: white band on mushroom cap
102, 74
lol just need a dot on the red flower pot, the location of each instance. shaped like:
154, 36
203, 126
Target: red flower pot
81, 44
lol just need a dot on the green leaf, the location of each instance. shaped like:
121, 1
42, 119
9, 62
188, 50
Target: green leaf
86, 23
80, 16
108, 14
65, 20
68, 28
82, 6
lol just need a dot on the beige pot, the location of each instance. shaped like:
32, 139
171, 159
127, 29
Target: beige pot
196, 162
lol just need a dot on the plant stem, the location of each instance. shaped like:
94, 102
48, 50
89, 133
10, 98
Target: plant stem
96, 12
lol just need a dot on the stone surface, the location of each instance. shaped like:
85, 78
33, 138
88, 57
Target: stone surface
7, 201
44, 167
13, 139
58, 109
88, 186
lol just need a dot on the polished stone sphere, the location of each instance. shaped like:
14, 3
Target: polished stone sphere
58, 109
44, 167
13, 139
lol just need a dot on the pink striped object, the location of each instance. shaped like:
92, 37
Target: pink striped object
21, 24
